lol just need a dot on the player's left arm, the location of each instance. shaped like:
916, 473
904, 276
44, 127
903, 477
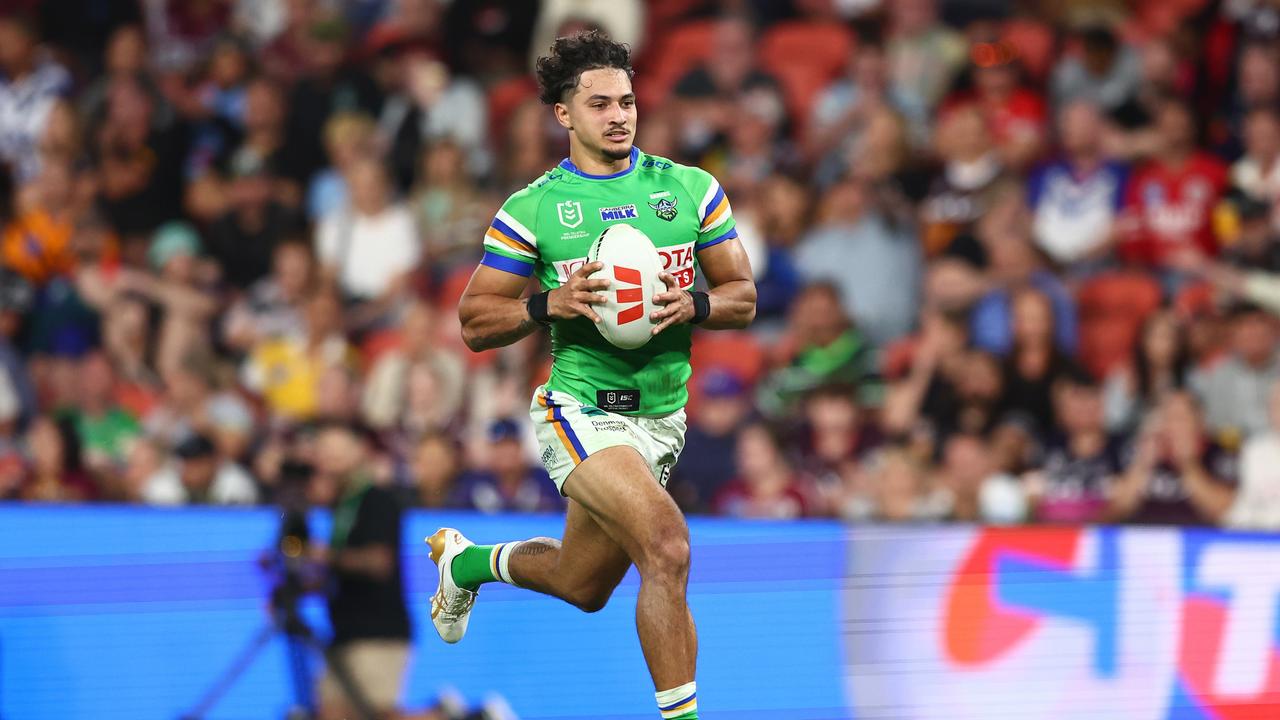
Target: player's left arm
732, 295
724, 264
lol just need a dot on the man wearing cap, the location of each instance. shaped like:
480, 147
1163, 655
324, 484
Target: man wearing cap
201, 478
510, 483
1249, 269
708, 459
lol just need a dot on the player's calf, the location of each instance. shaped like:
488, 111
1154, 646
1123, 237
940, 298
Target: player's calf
537, 560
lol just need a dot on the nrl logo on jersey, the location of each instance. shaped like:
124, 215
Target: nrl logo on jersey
570, 213
665, 208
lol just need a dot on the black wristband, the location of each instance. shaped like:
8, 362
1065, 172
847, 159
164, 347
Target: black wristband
537, 305
701, 306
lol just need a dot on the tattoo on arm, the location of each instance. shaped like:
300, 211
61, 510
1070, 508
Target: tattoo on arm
525, 327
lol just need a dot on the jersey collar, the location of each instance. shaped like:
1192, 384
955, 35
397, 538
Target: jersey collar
567, 164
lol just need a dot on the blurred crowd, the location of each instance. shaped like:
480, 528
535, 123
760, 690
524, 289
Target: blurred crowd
1018, 260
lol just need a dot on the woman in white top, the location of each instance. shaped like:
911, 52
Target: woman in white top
369, 247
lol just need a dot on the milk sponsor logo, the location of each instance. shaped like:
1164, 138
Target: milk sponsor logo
621, 212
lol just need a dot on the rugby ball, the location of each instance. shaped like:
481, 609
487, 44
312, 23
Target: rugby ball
632, 266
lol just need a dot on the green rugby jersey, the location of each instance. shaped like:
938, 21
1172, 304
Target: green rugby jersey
547, 228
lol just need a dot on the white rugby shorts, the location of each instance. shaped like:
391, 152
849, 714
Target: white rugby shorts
570, 432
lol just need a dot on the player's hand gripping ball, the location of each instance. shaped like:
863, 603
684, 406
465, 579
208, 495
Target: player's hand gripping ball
630, 263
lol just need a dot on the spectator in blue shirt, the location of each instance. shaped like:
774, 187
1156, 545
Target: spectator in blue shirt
30, 85
1076, 199
875, 265
707, 461
1014, 267
510, 483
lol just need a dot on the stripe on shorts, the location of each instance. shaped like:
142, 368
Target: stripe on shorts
563, 429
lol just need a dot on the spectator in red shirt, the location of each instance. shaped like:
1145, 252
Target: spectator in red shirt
1171, 197
836, 434
53, 472
766, 486
1014, 113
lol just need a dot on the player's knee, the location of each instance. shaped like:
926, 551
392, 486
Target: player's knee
669, 557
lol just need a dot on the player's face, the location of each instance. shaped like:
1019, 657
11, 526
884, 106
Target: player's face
601, 113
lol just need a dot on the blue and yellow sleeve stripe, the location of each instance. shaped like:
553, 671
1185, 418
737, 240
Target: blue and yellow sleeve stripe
509, 246
706, 240
516, 266
501, 235
506, 233
714, 209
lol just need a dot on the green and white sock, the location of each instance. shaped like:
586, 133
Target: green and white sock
679, 703
480, 564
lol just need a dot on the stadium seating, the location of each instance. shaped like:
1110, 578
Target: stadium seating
671, 56
1112, 307
736, 352
805, 57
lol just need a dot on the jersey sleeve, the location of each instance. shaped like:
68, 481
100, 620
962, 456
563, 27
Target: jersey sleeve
509, 244
715, 215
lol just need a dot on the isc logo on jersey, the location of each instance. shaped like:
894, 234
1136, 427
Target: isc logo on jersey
621, 212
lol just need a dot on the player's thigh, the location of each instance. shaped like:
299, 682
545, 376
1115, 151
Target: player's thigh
589, 557
618, 489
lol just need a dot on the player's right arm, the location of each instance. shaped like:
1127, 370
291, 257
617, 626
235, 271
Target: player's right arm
492, 311
494, 314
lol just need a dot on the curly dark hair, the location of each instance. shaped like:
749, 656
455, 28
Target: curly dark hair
571, 56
